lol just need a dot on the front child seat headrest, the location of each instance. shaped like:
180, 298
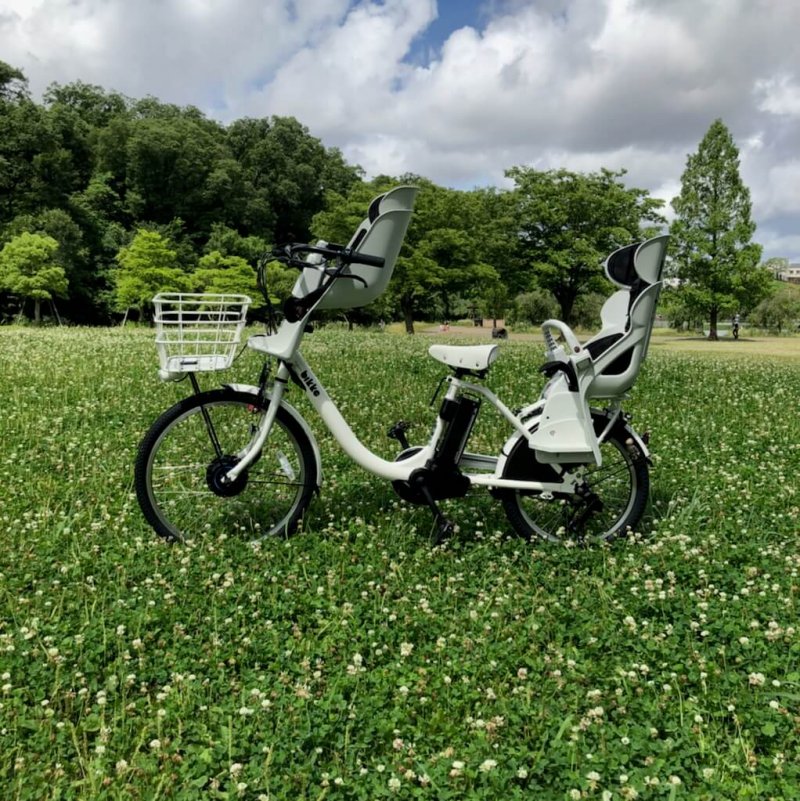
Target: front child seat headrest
621, 266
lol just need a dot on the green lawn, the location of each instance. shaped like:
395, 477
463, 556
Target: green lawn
355, 661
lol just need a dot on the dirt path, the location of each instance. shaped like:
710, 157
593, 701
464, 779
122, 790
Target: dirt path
751, 347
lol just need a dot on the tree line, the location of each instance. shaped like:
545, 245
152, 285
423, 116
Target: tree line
106, 200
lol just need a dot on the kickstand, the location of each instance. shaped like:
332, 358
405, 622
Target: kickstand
444, 527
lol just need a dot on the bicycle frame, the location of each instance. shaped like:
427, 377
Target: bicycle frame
298, 369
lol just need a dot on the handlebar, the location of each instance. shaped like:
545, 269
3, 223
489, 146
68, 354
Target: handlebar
291, 254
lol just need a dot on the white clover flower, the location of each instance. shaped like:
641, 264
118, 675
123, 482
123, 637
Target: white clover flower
487, 765
394, 784
406, 648
756, 679
155, 744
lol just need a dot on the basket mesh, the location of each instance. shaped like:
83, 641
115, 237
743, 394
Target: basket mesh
198, 332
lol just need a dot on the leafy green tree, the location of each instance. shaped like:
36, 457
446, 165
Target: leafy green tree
288, 173
586, 312
170, 172
26, 147
146, 267
712, 232
29, 269
93, 104
494, 299
776, 266
534, 307
72, 253
567, 223
779, 311
226, 274
442, 255
230, 242
415, 277
13, 83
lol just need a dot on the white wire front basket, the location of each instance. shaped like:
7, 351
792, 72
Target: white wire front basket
196, 332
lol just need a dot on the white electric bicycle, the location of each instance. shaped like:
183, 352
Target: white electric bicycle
241, 460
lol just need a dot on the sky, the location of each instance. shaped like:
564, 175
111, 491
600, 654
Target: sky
460, 90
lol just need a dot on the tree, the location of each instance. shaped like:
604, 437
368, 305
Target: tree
534, 307
287, 173
776, 266
778, 311
146, 267
28, 268
442, 259
230, 242
26, 147
226, 274
13, 83
712, 232
568, 223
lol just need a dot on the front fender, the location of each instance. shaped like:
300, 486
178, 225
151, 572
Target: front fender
296, 416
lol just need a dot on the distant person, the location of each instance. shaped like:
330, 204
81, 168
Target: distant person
735, 326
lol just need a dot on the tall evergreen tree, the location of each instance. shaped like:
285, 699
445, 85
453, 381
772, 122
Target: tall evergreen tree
712, 232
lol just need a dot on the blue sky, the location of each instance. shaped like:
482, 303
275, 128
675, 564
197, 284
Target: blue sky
461, 91
452, 15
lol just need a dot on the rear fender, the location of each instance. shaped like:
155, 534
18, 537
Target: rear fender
604, 421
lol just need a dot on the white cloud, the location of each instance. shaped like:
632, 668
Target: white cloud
575, 83
779, 95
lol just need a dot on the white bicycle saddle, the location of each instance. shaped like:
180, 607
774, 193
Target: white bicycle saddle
465, 357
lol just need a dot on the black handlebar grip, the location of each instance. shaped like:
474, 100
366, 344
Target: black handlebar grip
363, 258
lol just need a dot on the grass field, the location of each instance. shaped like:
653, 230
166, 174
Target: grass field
354, 661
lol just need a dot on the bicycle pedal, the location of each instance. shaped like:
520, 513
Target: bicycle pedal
444, 530
398, 432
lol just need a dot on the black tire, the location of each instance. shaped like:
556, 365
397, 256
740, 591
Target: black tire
621, 485
178, 468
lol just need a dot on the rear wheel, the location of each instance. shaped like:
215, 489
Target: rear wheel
184, 457
610, 499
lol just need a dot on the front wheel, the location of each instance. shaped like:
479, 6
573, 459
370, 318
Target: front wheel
610, 499
183, 459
